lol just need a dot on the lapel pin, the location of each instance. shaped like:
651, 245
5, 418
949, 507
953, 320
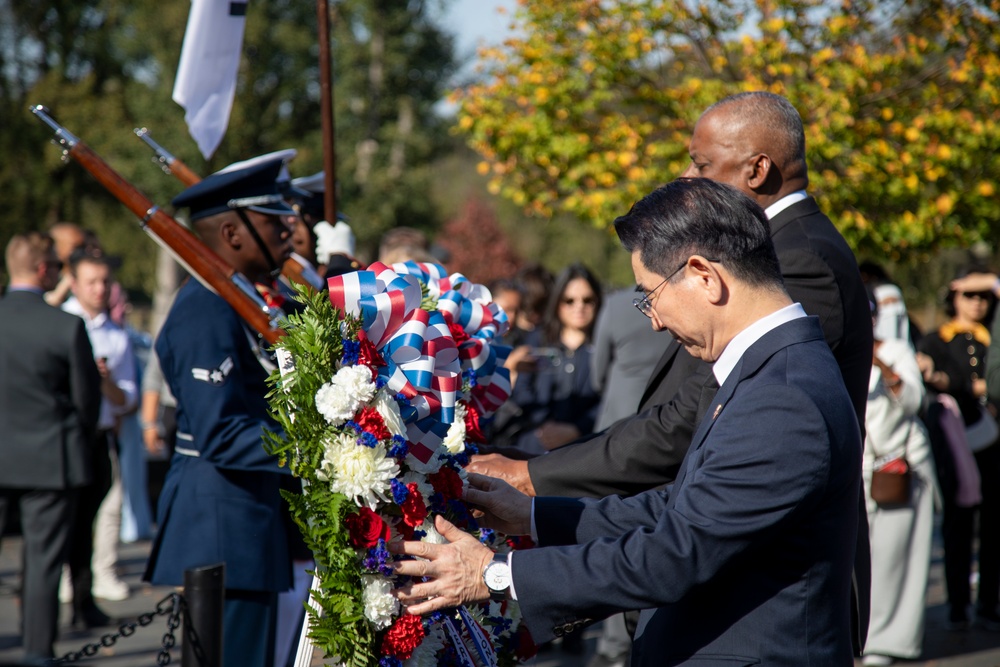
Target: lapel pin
718, 409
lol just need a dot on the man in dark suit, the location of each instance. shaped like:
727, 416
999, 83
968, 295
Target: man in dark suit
747, 558
50, 399
756, 143
221, 498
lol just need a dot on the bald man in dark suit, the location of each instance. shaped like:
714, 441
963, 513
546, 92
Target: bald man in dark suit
756, 143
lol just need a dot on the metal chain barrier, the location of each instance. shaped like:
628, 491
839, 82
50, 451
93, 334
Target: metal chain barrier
170, 606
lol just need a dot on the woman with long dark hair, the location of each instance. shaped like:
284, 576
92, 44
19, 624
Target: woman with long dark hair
556, 402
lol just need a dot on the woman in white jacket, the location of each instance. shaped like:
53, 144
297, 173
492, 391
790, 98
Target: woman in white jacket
900, 534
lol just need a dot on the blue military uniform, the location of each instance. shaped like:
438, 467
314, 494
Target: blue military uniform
220, 500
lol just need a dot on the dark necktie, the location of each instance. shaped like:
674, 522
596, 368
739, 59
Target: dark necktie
708, 391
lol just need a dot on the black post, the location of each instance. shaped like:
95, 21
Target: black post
203, 595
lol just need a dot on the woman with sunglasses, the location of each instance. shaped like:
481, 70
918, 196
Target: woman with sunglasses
953, 362
556, 401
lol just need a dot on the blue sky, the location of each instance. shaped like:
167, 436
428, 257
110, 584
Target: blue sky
476, 21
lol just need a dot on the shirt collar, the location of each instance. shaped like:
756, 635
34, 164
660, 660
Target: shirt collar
743, 340
25, 288
783, 203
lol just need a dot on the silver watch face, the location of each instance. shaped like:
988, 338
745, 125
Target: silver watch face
497, 576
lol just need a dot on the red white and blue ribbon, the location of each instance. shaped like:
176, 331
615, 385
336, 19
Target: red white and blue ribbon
423, 360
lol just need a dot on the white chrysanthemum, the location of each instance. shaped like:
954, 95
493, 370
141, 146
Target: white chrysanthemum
389, 409
425, 655
359, 472
454, 442
432, 535
350, 388
380, 606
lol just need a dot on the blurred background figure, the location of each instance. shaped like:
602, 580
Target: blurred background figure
157, 414
893, 320
330, 247
556, 402
901, 535
67, 237
94, 547
49, 405
952, 361
507, 295
401, 244
626, 349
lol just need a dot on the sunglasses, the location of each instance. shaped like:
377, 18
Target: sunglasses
587, 301
984, 295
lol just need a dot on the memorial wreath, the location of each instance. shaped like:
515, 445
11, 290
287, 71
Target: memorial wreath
390, 375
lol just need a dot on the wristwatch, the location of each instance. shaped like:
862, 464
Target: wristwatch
496, 576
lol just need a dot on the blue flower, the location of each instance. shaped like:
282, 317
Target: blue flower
399, 448
399, 491
368, 440
351, 350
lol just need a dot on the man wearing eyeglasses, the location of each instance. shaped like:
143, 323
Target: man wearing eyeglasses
747, 558
756, 143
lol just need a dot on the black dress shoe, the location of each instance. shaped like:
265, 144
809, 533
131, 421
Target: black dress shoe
90, 616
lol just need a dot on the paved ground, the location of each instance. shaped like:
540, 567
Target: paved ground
975, 648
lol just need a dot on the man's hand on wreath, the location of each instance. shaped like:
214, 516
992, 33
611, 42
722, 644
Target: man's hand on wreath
503, 507
511, 471
452, 573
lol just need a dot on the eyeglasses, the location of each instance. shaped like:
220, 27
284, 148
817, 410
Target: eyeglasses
984, 295
644, 304
586, 301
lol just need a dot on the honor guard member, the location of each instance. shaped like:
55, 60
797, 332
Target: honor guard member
332, 246
220, 500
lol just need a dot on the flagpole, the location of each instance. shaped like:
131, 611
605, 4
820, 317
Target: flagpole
326, 110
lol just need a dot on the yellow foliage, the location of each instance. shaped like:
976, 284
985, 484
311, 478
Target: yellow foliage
944, 204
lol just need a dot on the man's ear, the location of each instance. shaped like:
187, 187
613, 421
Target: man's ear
230, 234
710, 279
760, 170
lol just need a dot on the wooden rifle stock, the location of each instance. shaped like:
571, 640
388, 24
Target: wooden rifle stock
200, 260
293, 268
167, 161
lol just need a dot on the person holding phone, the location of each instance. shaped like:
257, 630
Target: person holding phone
556, 400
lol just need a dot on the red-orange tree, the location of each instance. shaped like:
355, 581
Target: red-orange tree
592, 104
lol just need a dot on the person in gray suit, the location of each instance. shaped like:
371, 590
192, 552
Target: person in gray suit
50, 399
747, 558
626, 350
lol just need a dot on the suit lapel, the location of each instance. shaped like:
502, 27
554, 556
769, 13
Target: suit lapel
756, 356
661, 368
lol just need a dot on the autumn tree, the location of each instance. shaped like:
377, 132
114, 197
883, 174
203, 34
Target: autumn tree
591, 106
478, 247
107, 66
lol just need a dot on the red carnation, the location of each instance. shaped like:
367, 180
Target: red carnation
414, 509
520, 542
458, 333
369, 355
370, 420
526, 648
403, 637
473, 432
446, 482
366, 528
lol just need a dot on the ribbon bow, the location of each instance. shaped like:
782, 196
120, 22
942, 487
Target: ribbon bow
423, 360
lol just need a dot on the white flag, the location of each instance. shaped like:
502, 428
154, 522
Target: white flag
206, 74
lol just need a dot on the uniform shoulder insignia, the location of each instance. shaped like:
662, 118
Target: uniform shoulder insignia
215, 376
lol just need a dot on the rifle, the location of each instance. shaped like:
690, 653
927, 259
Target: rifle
210, 269
294, 267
